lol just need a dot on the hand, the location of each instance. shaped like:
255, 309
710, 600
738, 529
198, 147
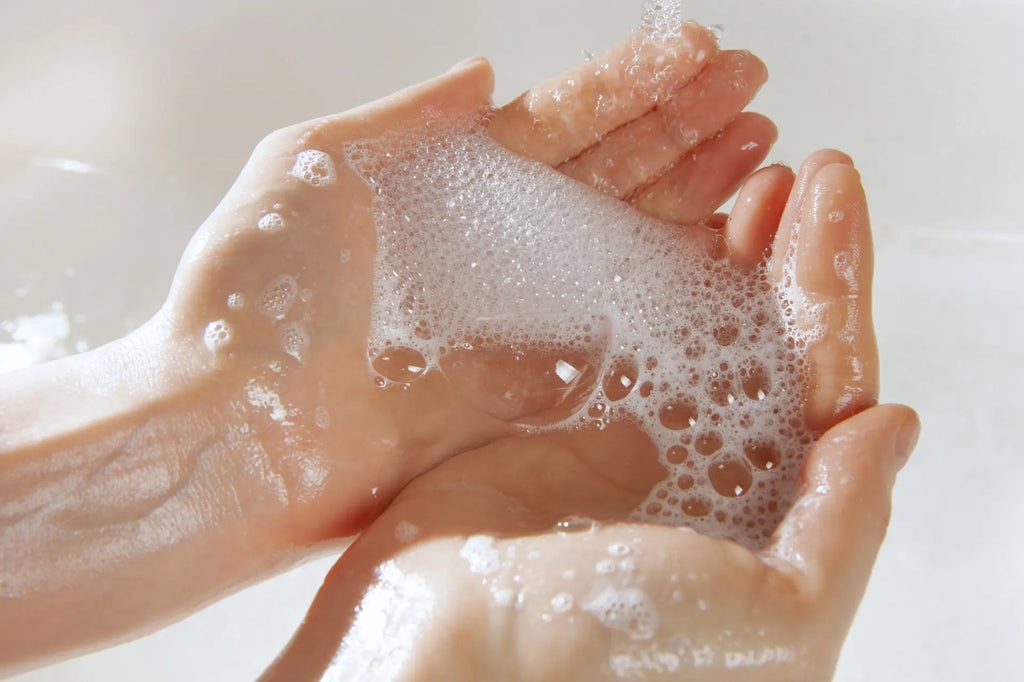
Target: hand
612, 601
239, 426
427, 591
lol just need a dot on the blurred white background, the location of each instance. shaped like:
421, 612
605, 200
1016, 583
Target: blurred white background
122, 123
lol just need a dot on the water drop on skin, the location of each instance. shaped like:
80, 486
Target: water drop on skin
400, 364
575, 524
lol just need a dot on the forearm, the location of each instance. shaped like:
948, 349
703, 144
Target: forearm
130, 492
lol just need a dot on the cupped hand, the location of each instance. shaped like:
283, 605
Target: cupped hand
273, 295
516, 559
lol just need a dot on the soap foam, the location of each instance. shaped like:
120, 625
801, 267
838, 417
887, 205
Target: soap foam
491, 265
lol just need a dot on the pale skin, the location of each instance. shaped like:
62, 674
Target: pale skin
154, 474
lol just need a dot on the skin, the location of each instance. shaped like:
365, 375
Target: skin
157, 473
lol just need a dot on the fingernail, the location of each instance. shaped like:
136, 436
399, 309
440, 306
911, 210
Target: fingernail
465, 63
906, 440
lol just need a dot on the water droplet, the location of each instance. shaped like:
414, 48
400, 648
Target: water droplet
575, 524
400, 364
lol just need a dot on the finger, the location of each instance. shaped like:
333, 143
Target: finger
835, 529
791, 215
637, 153
703, 179
755, 217
466, 88
557, 119
832, 269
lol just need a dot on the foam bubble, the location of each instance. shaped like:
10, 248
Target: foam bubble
579, 310
314, 168
321, 417
627, 610
277, 297
271, 222
406, 532
481, 554
294, 339
562, 602
236, 301
217, 335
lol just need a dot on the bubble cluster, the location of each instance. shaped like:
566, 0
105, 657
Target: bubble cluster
277, 297
294, 339
236, 301
482, 556
314, 168
217, 335
628, 610
271, 222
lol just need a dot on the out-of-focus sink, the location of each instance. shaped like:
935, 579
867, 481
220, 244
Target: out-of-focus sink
122, 123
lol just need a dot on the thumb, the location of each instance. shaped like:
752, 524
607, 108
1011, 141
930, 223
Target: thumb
836, 527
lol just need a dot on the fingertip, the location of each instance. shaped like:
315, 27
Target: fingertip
909, 434
476, 70
826, 157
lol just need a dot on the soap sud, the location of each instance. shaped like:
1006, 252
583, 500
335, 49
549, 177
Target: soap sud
661, 19
35, 339
271, 222
236, 301
636, 663
262, 397
562, 602
479, 248
217, 335
503, 597
626, 610
294, 339
277, 298
386, 628
321, 417
314, 168
406, 532
618, 549
481, 555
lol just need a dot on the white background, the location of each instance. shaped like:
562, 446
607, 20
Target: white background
166, 102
